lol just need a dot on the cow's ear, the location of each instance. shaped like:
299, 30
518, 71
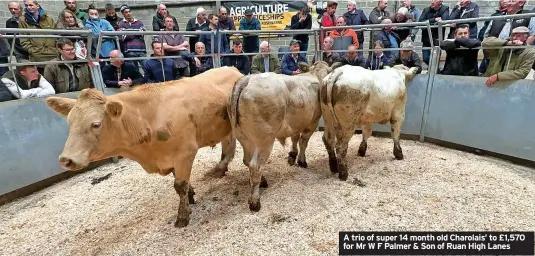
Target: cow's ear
62, 106
114, 108
304, 67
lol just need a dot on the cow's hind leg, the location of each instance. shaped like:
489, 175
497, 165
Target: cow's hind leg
248, 149
303, 144
292, 156
343, 136
366, 133
396, 122
329, 140
228, 149
183, 163
260, 156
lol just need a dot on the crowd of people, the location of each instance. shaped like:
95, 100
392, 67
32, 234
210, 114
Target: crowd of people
192, 53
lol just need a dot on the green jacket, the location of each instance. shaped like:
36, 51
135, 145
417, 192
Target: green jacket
59, 75
258, 64
40, 49
519, 66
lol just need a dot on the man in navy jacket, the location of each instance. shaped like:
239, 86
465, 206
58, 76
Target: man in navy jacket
159, 70
121, 74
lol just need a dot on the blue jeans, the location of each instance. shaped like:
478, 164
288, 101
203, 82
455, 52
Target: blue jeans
303, 47
137, 63
425, 55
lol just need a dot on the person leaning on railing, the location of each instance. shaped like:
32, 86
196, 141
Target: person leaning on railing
121, 74
290, 61
96, 25
241, 62
377, 59
461, 62
26, 82
68, 77
40, 49
13, 22
201, 63
408, 57
509, 64
160, 69
265, 61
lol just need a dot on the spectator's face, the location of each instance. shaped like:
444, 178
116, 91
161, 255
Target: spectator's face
265, 50
465, 3
169, 24
400, 16
223, 14
71, 5
331, 10
68, 52
162, 11
340, 21
200, 49
383, 4
237, 48
406, 3
462, 33
93, 14
378, 50
249, 17
158, 49
110, 12
405, 54
436, 3
114, 61
202, 16
327, 44
514, 5
69, 19
520, 36
214, 20
351, 7
14, 9
32, 7
294, 47
30, 73
127, 13
352, 53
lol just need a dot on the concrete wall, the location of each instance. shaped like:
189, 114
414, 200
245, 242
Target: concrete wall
182, 14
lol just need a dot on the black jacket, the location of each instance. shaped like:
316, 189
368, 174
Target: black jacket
430, 15
5, 94
461, 62
19, 51
357, 18
470, 11
158, 23
128, 69
241, 62
307, 24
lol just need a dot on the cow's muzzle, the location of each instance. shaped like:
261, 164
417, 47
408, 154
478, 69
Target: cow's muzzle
70, 164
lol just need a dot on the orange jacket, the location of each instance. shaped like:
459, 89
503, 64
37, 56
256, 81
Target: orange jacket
346, 32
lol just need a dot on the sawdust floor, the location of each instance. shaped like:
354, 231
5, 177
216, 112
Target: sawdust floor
132, 212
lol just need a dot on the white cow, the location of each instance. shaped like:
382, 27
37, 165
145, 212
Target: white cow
268, 106
352, 96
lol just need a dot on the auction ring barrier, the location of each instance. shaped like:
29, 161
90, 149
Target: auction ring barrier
440, 109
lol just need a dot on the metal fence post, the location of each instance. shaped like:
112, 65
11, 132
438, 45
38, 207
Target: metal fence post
433, 67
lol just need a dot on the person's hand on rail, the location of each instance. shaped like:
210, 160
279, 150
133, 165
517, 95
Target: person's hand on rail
492, 79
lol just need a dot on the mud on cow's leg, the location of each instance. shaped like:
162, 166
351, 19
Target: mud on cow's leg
182, 186
260, 156
303, 144
396, 130
228, 150
292, 156
191, 193
329, 140
342, 141
366, 133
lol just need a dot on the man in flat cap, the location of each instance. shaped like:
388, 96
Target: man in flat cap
508, 64
251, 43
407, 57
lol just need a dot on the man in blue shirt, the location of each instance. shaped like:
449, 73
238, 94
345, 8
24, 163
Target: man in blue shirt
290, 61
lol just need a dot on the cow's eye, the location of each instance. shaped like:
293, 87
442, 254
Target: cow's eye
95, 125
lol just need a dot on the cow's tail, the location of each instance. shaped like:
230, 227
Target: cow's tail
234, 100
331, 80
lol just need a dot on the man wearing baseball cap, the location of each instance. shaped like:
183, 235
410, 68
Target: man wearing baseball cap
290, 61
509, 64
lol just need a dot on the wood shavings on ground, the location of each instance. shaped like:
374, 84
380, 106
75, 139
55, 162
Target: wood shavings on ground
132, 212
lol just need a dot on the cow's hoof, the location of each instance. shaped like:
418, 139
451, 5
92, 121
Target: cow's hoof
342, 176
291, 158
217, 172
302, 164
181, 222
398, 154
191, 193
254, 207
362, 149
263, 182
333, 165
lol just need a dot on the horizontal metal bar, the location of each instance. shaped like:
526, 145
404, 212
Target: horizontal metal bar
43, 62
152, 58
150, 32
42, 31
410, 24
295, 31
500, 17
43, 36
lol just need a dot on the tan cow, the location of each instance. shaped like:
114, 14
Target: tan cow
269, 106
161, 126
352, 96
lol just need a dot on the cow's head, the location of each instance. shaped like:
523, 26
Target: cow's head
409, 72
320, 69
89, 117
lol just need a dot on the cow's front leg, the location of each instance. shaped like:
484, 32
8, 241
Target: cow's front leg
396, 122
183, 164
303, 143
191, 192
366, 133
228, 150
292, 156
